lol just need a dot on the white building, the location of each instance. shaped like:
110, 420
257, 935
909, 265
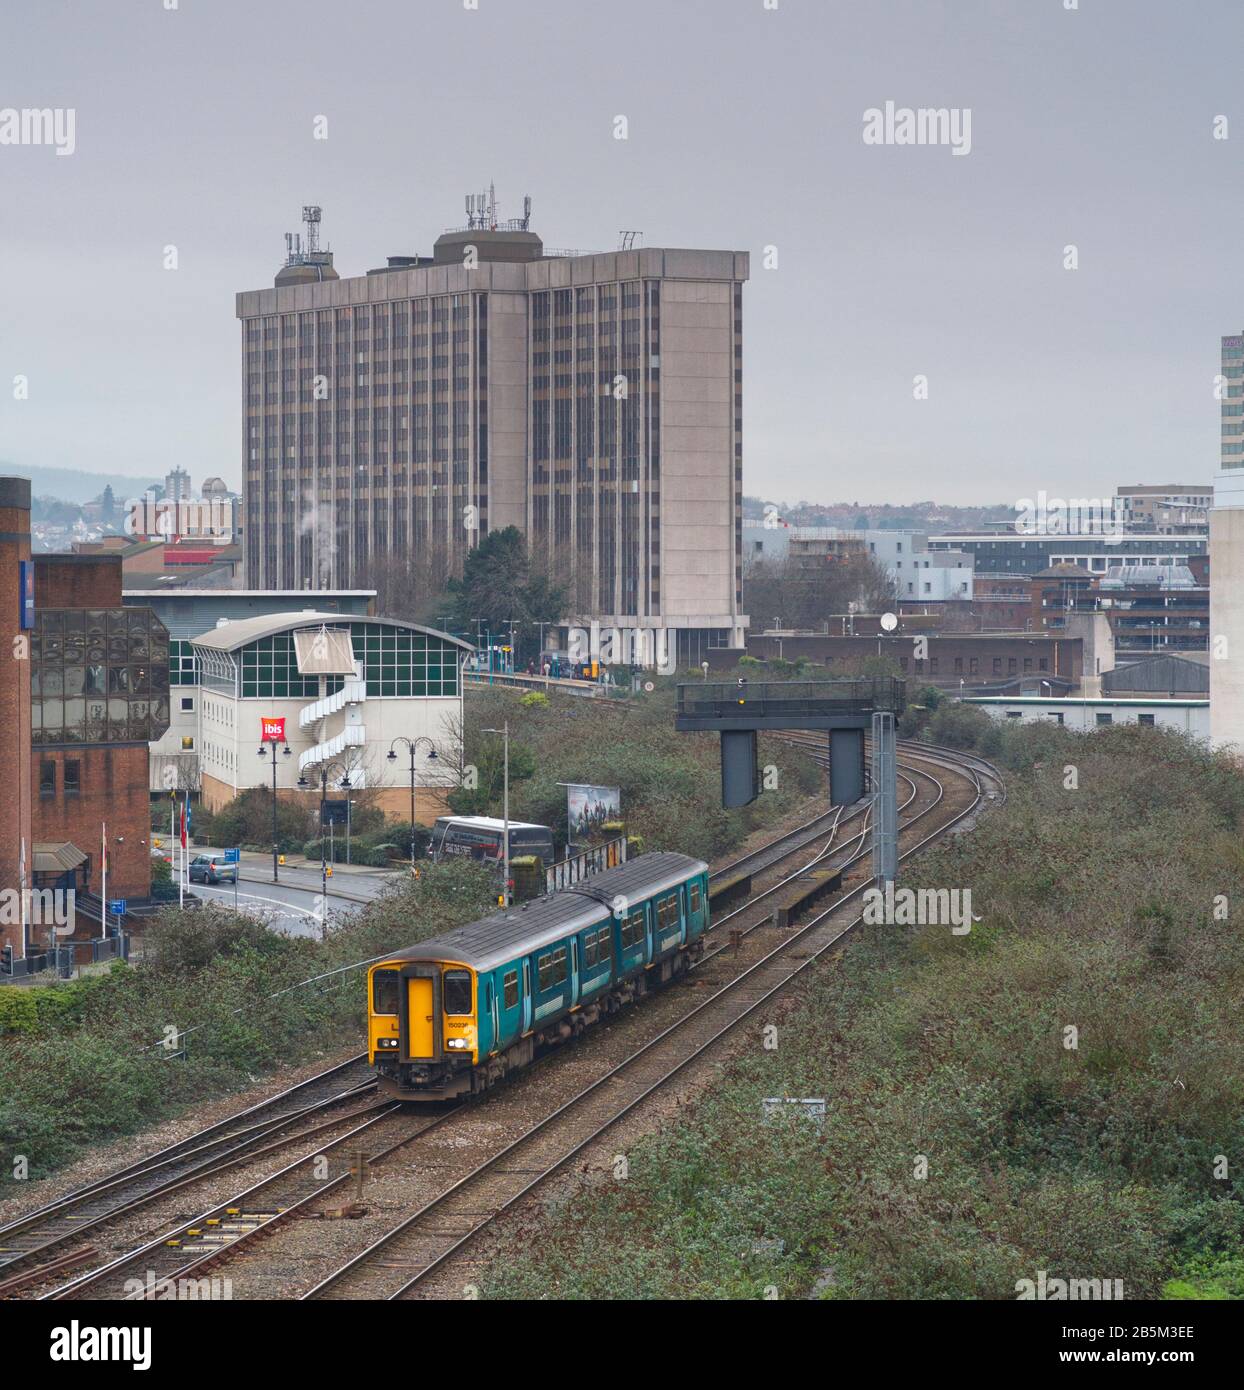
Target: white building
1083, 715
346, 689
762, 541
917, 571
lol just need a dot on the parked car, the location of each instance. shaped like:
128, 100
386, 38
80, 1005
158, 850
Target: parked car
212, 868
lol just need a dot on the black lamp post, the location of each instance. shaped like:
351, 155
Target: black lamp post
413, 745
345, 784
263, 753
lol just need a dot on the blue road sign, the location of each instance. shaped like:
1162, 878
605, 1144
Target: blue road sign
233, 856
117, 907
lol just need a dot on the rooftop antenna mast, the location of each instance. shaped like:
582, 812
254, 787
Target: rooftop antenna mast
626, 240
311, 221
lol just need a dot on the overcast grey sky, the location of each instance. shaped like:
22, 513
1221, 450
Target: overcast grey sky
1092, 127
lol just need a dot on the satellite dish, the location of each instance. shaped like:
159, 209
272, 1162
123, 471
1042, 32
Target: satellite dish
888, 622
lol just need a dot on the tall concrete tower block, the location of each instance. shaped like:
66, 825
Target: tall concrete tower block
1226, 562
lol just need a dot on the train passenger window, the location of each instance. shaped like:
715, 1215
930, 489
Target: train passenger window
633, 929
604, 945
384, 985
695, 897
551, 968
457, 991
589, 948
510, 985
667, 913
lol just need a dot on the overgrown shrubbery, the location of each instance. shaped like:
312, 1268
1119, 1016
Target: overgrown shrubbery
1100, 911
378, 847
247, 821
670, 782
81, 1060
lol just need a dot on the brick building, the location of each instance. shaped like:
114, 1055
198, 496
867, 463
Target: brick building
98, 694
979, 660
15, 824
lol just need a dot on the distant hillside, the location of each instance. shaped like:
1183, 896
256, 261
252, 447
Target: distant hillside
915, 516
69, 485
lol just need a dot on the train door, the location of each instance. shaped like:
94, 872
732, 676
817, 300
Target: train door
684, 913
494, 1008
526, 996
649, 929
420, 1013
574, 971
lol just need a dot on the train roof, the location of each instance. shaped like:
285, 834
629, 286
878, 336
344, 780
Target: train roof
505, 936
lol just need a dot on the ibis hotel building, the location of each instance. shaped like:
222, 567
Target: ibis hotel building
340, 691
592, 400
1226, 570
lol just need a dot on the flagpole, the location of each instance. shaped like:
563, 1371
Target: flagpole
181, 877
25, 904
103, 900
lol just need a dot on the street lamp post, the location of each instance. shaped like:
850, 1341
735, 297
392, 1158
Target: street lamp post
505, 812
263, 753
412, 745
344, 783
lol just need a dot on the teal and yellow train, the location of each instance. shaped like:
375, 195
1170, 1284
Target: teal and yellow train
454, 1014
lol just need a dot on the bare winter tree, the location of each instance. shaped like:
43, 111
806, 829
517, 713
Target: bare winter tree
804, 595
412, 586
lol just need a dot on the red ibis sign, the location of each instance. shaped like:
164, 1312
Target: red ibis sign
272, 730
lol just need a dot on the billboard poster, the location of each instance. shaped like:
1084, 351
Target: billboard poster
589, 807
272, 730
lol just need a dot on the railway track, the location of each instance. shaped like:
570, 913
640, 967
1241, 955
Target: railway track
220, 1230
40, 1236
401, 1262
49, 1241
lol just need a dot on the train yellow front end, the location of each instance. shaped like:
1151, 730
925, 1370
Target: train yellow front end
423, 1033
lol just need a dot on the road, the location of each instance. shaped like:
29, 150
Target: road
294, 904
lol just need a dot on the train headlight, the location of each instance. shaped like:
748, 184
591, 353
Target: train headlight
460, 1044
386, 1042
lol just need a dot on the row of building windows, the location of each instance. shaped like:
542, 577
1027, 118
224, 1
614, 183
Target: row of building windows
72, 777
1012, 668
98, 676
395, 662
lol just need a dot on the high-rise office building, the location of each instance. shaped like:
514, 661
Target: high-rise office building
1226, 555
592, 400
177, 485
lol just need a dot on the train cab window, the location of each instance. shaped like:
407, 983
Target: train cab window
384, 989
694, 896
551, 968
510, 987
457, 991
